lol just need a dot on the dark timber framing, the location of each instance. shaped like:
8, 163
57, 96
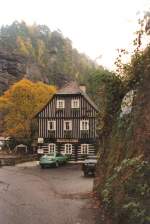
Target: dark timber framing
76, 137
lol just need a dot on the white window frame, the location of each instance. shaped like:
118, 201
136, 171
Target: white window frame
75, 103
40, 140
68, 149
70, 125
60, 104
85, 149
51, 148
53, 124
84, 125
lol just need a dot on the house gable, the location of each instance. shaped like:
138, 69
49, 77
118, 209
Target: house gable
51, 110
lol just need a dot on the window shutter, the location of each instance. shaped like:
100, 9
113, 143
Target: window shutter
65, 125
54, 123
57, 104
87, 124
63, 104
78, 103
70, 125
72, 103
48, 125
81, 125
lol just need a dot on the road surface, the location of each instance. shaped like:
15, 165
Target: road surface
30, 195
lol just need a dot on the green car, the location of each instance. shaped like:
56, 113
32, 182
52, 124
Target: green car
52, 160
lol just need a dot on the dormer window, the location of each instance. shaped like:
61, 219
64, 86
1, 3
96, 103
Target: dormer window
60, 104
75, 103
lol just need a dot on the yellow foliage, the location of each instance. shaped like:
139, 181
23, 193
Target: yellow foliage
20, 103
41, 50
22, 46
25, 46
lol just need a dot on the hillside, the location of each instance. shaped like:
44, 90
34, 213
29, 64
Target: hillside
36, 53
123, 172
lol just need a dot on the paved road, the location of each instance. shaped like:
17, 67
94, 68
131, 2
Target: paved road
29, 195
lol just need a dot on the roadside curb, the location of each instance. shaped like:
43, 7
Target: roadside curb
8, 160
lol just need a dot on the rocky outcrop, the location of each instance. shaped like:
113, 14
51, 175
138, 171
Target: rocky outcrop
12, 69
124, 165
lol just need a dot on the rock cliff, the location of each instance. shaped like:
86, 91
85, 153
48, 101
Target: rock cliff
12, 69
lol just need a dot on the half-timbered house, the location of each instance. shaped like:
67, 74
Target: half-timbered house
67, 124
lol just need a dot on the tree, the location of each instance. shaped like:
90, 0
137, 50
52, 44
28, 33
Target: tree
22, 46
107, 91
19, 105
132, 73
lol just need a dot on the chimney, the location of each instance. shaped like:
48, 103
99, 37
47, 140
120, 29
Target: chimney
83, 88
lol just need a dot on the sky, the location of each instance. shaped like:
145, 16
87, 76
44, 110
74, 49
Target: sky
96, 27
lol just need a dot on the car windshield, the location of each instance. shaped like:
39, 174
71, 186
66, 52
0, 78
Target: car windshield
51, 155
59, 154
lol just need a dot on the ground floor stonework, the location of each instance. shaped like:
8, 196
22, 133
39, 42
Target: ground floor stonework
76, 150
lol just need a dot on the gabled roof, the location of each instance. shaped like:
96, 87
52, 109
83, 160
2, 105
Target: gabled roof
73, 88
68, 89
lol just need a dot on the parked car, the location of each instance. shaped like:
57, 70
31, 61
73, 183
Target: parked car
89, 165
52, 160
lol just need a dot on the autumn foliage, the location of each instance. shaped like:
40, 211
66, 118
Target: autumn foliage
19, 105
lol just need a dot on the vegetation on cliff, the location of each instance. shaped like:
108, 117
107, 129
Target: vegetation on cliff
107, 90
53, 53
123, 172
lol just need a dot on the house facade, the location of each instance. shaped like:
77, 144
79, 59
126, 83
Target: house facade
67, 124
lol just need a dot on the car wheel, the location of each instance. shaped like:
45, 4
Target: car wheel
85, 174
93, 174
64, 162
56, 164
42, 166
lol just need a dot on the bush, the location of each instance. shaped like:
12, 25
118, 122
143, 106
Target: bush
126, 194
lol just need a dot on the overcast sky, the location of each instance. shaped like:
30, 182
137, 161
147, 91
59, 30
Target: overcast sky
96, 27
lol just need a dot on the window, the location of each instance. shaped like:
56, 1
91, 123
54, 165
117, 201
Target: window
40, 140
84, 125
84, 149
75, 103
51, 125
67, 125
68, 149
60, 104
51, 148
